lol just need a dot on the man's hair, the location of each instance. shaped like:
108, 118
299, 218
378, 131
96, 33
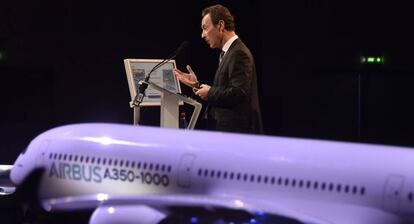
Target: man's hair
219, 12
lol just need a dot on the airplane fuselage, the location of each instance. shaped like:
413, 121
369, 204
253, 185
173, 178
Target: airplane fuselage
127, 160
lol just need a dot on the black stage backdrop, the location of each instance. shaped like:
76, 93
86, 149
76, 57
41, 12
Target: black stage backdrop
61, 62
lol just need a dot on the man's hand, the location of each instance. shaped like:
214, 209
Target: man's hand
189, 79
203, 91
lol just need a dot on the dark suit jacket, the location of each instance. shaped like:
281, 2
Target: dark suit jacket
233, 103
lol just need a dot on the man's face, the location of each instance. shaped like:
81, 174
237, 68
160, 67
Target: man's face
210, 33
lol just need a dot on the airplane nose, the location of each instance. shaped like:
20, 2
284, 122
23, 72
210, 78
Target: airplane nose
6, 185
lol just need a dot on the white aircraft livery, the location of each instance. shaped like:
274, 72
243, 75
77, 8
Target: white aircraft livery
137, 174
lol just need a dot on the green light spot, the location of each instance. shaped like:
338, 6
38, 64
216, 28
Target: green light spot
1, 56
372, 60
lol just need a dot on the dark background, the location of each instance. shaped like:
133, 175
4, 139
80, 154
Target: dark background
61, 62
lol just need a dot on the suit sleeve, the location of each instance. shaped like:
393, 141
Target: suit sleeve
240, 69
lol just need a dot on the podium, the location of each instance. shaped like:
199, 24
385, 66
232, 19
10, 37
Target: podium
163, 90
170, 103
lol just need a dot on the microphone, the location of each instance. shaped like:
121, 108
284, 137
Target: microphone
141, 91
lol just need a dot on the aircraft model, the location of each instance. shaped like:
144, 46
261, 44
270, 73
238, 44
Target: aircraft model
130, 174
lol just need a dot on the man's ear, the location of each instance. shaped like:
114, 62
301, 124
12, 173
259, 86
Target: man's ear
221, 25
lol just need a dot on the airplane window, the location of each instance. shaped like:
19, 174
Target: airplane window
315, 185
338, 188
162, 168
259, 179
50, 155
133, 164
110, 162
346, 189
231, 175
251, 177
272, 180
245, 177
157, 167
55, 156
144, 166
362, 191
300, 183
64, 157
87, 159
218, 174
225, 175
115, 162
410, 196
70, 157
104, 161
81, 159
354, 190
293, 183
286, 181
60, 156
127, 163
93, 160
212, 173
199, 172
323, 186
169, 168
308, 184
205, 172
76, 158
265, 179
139, 165
98, 161
150, 166
279, 181
331, 186
121, 163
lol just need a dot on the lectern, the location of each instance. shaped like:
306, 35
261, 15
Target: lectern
163, 90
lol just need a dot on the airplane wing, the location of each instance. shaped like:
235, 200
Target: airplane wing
297, 211
166, 204
301, 211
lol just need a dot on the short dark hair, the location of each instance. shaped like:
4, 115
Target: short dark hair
219, 12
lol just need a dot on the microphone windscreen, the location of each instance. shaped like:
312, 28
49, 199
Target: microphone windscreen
184, 45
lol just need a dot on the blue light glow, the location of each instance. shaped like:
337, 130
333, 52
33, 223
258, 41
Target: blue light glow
194, 220
259, 212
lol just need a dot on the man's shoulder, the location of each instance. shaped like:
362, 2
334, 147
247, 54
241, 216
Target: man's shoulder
239, 48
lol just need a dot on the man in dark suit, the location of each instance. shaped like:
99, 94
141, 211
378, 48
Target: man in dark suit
233, 103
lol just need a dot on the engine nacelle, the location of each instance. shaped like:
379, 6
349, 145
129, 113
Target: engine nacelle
126, 214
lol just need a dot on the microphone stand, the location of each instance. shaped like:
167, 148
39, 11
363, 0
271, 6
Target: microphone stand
143, 84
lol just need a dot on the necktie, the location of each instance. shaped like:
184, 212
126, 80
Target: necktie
221, 55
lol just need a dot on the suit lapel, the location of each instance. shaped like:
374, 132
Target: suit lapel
224, 62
